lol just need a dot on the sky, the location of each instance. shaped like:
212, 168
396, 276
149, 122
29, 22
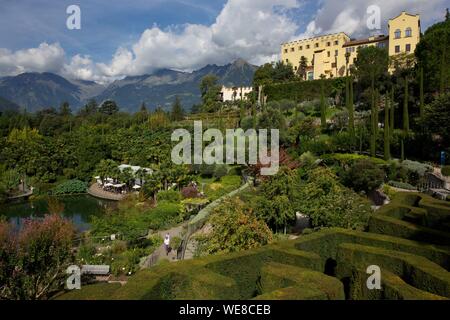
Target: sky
125, 38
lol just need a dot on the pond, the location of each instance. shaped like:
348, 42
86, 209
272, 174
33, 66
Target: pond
79, 209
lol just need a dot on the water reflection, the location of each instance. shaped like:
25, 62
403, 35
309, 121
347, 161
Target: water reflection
79, 209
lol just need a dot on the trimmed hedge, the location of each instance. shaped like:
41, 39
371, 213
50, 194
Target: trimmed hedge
419, 272
414, 216
299, 90
297, 284
329, 264
392, 288
272, 272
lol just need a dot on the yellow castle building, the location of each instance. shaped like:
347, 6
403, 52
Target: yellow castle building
332, 55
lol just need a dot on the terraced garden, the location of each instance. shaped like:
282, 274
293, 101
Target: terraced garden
408, 239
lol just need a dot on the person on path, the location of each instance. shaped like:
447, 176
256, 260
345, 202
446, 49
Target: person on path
167, 243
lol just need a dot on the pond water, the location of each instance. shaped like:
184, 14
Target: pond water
79, 209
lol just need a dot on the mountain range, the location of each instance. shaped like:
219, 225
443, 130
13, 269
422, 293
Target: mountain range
35, 91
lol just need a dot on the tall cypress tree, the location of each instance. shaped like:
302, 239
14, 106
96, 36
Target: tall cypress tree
254, 116
373, 129
351, 110
323, 108
422, 100
392, 113
387, 136
405, 107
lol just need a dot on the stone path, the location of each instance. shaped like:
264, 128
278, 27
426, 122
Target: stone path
160, 253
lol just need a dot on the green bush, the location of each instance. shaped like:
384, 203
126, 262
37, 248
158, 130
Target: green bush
417, 167
207, 170
170, 196
401, 185
126, 263
446, 171
347, 159
299, 90
164, 215
70, 187
364, 175
220, 171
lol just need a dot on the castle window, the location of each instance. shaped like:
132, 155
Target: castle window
397, 49
292, 49
317, 45
285, 50
336, 42
397, 34
408, 32
408, 48
328, 43
287, 60
328, 54
300, 48
336, 52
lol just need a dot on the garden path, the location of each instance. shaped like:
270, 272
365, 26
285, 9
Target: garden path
160, 253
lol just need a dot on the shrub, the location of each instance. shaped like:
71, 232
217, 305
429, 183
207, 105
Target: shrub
307, 159
33, 261
235, 228
446, 171
70, 187
401, 185
329, 204
126, 263
364, 175
220, 171
164, 215
420, 168
207, 170
190, 191
170, 196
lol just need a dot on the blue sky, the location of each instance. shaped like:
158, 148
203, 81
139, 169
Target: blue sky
106, 25
120, 38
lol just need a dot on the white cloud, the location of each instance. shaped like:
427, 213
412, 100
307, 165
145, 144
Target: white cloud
351, 16
252, 30
248, 29
46, 57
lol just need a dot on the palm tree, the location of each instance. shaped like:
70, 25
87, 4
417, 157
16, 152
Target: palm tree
106, 168
152, 186
126, 176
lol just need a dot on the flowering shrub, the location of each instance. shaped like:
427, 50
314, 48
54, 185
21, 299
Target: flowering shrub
190, 191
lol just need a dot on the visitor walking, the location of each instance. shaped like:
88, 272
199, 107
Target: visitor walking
167, 243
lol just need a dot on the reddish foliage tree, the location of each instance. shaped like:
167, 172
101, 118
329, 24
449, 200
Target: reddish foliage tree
190, 191
34, 259
285, 160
